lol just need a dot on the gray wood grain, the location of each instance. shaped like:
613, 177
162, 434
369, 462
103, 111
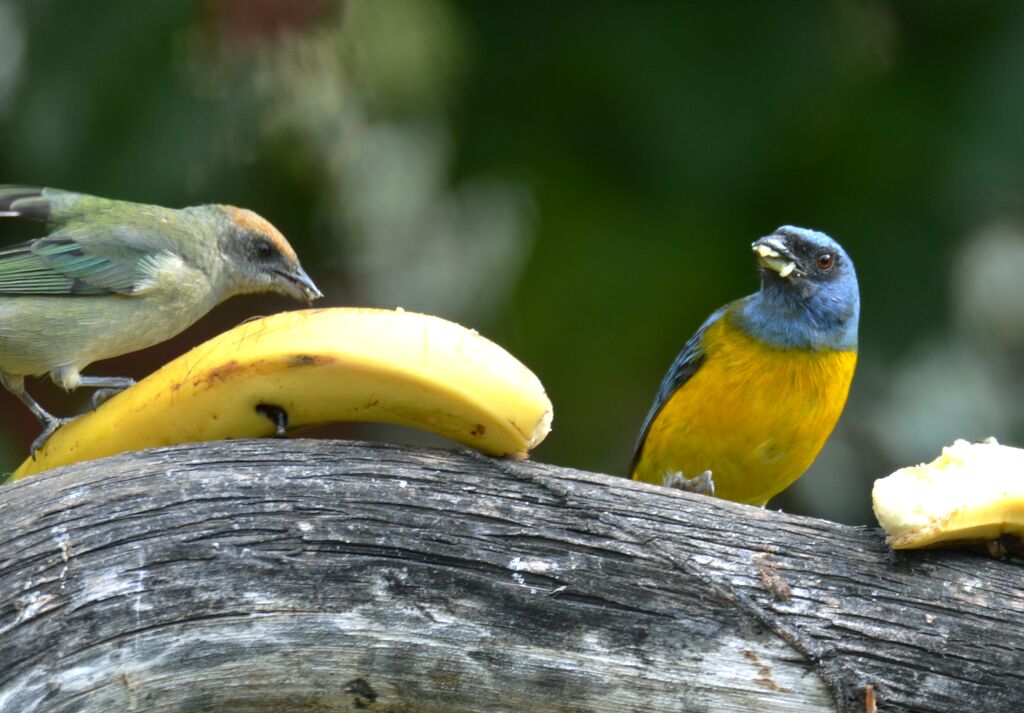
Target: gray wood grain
300, 575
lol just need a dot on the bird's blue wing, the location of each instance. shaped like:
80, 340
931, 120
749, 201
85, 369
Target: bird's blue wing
57, 265
60, 263
102, 255
686, 364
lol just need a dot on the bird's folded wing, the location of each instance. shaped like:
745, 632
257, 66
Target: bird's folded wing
64, 266
685, 366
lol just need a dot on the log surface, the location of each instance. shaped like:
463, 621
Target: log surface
302, 575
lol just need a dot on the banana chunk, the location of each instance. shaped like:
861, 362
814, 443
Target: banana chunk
309, 367
972, 493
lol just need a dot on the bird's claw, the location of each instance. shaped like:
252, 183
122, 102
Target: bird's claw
50, 426
703, 484
99, 396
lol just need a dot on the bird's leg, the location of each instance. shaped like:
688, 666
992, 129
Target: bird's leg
16, 385
703, 484
48, 428
106, 386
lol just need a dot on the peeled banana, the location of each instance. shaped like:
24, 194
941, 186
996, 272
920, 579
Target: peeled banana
972, 493
309, 367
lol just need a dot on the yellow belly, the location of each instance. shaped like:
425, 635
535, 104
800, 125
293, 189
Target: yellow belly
754, 415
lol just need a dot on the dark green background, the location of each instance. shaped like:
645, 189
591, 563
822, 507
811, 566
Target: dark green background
645, 145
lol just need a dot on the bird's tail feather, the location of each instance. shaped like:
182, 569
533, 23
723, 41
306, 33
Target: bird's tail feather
24, 202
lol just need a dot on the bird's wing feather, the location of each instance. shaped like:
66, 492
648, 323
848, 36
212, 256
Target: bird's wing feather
686, 364
98, 246
57, 265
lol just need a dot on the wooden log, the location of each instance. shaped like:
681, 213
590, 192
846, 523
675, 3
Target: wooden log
301, 575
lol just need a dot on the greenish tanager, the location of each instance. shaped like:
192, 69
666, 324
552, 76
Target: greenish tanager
112, 277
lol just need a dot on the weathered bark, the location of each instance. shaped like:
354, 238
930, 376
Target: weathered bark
300, 575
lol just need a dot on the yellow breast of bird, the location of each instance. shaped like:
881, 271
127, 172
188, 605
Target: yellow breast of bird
753, 414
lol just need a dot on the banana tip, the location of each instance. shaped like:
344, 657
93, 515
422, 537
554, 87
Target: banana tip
541, 430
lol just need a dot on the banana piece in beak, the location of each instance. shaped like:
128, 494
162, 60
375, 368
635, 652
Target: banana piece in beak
772, 259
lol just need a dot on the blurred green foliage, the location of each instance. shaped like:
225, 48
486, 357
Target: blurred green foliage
578, 180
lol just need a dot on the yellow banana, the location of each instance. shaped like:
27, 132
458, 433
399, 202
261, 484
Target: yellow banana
972, 493
317, 366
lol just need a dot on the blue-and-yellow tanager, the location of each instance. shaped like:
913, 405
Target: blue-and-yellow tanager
111, 277
755, 393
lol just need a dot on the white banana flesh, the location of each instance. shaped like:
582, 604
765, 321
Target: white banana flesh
320, 366
972, 493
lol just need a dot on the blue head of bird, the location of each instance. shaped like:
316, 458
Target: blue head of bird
809, 296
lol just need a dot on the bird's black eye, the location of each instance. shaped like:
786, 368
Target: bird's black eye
262, 249
826, 261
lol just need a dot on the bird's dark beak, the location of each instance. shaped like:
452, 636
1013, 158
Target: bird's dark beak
774, 254
296, 283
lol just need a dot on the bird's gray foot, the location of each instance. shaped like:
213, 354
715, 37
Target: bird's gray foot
49, 426
106, 386
16, 385
99, 396
703, 484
